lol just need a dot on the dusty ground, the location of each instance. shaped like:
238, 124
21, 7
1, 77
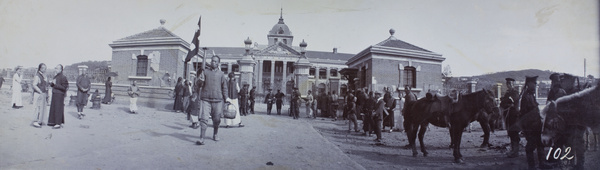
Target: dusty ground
156, 138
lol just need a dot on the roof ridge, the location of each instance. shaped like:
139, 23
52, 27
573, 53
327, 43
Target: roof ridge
392, 38
155, 29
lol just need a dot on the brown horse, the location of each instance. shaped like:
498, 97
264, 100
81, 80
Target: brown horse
566, 119
466, 111
437, 111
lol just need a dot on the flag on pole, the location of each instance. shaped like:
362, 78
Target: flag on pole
196, 42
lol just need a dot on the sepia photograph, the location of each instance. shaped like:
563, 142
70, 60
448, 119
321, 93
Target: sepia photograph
306, 84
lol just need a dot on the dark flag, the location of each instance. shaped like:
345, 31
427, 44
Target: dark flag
196, 42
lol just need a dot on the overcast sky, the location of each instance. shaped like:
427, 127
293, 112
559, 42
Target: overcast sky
474, 36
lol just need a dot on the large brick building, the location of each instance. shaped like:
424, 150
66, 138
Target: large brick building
396, 63
156, 58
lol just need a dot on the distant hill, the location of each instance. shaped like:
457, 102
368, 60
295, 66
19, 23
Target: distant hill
518, 75
489, 81
92, 65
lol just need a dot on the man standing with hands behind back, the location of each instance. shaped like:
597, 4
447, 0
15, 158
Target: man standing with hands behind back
213, 95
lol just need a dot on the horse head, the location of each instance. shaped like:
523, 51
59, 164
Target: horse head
552, 124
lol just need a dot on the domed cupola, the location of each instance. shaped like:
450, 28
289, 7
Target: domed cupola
280, 33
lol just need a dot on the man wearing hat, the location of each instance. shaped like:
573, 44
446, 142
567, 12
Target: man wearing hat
509, 104
556, 89
529, 107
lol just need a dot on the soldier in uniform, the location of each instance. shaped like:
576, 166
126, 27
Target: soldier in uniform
509, 104
532, 130
269, 99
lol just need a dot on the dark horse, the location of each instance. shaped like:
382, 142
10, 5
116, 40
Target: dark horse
437, 111
566, 119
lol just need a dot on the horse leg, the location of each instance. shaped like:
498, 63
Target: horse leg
486, 134
414, 136
421, 136
457, 135
579, 148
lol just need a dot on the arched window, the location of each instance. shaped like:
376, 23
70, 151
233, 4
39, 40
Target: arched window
142, 65
280, 30
285, 41
410, 76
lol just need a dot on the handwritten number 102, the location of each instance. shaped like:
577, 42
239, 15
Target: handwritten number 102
557, 153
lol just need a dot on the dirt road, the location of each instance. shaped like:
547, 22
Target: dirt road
112, 138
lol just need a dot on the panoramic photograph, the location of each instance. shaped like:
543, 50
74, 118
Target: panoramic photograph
282, 84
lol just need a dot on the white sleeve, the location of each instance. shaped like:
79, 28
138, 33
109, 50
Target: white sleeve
237, 87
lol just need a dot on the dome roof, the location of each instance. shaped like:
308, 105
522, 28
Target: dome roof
280, 28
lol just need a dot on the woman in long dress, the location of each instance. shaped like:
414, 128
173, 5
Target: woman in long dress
107, 92
178, 104
59, 85
17, 101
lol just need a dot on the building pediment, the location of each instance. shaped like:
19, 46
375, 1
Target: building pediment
278, 49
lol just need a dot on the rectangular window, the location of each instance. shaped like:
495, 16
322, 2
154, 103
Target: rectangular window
322, 73
235, 68
410, 75
266, 66
142, 65
224, 68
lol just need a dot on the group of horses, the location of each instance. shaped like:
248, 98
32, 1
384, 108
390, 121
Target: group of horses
563, 122
444, 111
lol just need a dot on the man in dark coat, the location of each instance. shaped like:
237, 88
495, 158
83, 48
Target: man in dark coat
243, 100
368, 124
59, 85
390, 105
532, 129
509, 104
295, 106
379, 112
251, 99
279, 101
83, 87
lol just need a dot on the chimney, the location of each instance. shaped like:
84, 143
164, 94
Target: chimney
334, 50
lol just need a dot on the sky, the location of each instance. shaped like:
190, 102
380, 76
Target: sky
476, 37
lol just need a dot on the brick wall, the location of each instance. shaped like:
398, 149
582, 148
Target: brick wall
171, 61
